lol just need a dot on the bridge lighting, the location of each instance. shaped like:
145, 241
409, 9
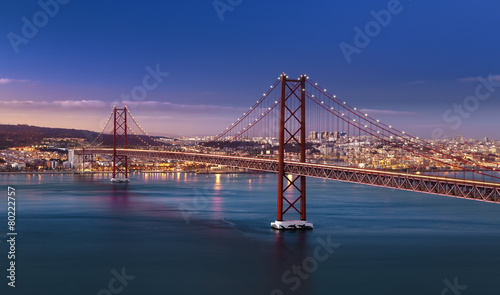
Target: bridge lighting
316, 84
366, 115
355, 109
238, 120
307, 77
342, 114
417, 137
390, 126
268, 108
403, 132
322, 102
250, 107
324, 90
312, 95
378, 131
378, 121
271, 86
366, 126
275, 101
354, 120
332, 108
344, 102
244, 113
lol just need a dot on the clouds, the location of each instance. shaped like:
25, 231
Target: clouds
154, 106
158, 117
66, 104
4, 81
54, 105
418, 82
78, 104
372, 112
493, 78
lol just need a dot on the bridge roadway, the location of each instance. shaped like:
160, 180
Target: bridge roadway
452, 187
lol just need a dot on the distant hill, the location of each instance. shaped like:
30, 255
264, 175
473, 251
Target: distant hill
21, 135
25, 135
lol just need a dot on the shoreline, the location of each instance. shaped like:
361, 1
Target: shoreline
37, 172
135, 172
425, 172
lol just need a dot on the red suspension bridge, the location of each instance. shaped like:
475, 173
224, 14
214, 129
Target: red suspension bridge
299, 130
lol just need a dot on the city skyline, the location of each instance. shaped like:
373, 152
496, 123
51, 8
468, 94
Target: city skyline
250, 147
209, 64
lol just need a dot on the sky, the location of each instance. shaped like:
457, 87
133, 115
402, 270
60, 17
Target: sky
431, 68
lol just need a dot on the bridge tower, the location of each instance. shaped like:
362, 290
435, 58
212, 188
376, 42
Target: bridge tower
292, 132
120, 173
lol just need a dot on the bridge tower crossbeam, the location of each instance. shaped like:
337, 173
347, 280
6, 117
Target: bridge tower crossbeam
120, 127
292, 131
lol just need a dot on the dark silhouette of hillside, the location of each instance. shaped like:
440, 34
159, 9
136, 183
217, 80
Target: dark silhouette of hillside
22, 135
26, 135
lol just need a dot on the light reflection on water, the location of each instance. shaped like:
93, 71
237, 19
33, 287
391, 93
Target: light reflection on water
79, 227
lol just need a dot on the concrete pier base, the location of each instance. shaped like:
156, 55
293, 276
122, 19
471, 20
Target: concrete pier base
291, 224
119, 180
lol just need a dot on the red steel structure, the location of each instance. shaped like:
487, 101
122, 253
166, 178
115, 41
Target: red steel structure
292, 131
354, 129
120, 135
486, 191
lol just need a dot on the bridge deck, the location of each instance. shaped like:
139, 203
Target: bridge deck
447, 186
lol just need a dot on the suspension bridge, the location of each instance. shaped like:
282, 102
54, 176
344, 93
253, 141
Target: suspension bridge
298, 129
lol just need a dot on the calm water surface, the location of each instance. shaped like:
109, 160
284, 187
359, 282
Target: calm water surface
209, 234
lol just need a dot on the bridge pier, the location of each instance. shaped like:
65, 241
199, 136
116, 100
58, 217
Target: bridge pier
293, 93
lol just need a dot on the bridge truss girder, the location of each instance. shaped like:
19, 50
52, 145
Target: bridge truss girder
451, 187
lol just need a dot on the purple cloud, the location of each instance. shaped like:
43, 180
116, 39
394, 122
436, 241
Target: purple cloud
4, 81
418, 82
371, 112
495, 78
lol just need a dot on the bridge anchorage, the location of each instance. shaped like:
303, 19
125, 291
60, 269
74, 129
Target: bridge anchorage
292, 130
120, 162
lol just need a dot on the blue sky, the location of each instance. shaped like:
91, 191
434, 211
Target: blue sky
90, 54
